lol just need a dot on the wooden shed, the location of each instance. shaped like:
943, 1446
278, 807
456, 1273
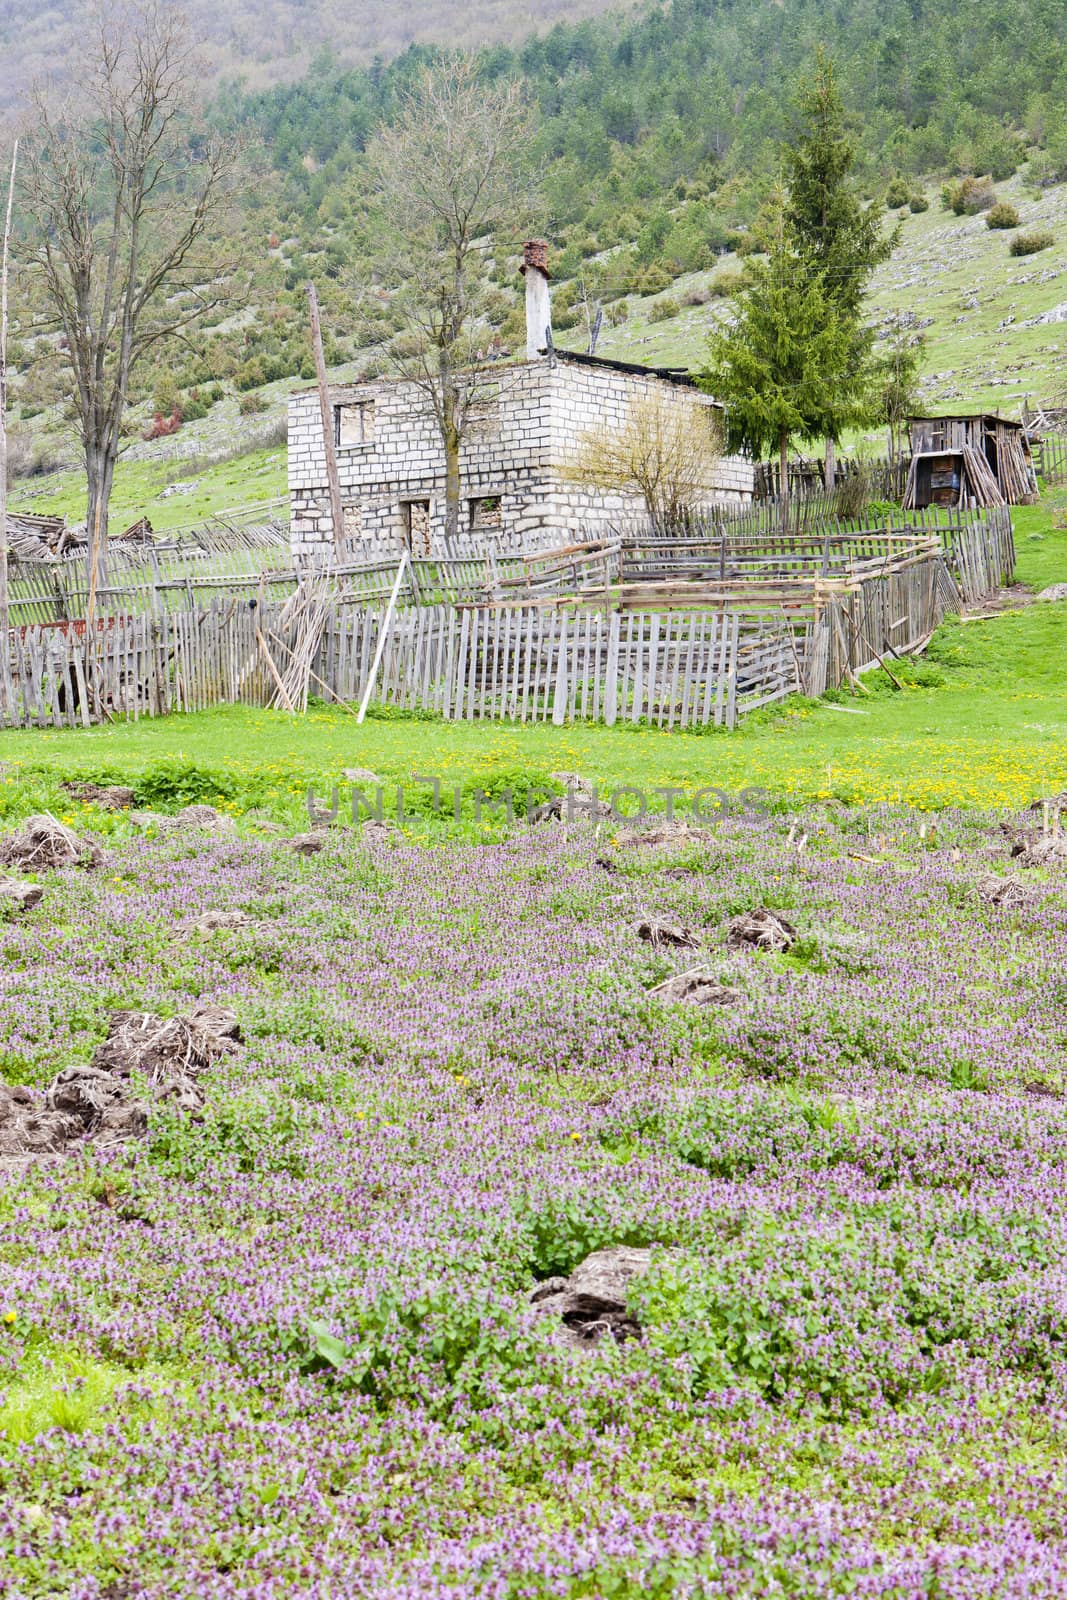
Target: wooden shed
977, 460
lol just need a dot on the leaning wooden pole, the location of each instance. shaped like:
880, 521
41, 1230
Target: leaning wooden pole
5, 608
336, 514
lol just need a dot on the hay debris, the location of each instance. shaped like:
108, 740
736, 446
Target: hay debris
44, 842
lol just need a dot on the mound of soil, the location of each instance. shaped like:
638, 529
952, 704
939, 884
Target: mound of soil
697, 989
1003, 892
42, 843
761, 930
16, 896
108, 796
659, 934
216, 922
100, 1101
592, 1301
305, 844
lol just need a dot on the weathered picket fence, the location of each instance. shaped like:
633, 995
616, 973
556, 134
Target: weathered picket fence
1050, 458
682, 632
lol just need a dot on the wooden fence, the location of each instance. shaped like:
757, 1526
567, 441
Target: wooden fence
679, 632
880, 479
1050, 457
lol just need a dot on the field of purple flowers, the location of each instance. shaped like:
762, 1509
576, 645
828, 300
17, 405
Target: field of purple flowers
287, 1352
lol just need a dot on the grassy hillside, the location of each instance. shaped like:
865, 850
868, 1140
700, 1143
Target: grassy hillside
988, 346
658, 133
996, 324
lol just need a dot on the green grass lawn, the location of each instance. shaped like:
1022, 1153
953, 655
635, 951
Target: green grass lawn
983, 722
260, 475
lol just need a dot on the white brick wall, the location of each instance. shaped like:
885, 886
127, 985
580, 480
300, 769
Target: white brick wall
536, 412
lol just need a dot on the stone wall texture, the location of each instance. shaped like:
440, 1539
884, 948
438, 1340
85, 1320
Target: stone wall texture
529, 420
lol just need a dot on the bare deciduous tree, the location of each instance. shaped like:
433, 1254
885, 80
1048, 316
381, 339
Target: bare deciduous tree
119, 189
449, 173
665, 452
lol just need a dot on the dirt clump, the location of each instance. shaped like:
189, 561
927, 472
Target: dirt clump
761, 930
102, 1101
108, 796
696, 989
16, 897
659, 934
43, 842
305, 844
591, 1303
1006, 893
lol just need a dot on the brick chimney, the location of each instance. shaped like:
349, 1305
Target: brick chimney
538, 305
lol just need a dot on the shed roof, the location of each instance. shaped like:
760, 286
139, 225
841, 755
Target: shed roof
679, 375
967, 416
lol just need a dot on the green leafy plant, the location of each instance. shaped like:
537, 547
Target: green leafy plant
1028, 244
1002, 215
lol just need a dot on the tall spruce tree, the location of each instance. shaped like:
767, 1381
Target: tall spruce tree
774, 367
839, 239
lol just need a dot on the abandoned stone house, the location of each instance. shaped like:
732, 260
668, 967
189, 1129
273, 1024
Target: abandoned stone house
528, 417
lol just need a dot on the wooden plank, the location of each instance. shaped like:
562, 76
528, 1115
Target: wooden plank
560, 692
611, 671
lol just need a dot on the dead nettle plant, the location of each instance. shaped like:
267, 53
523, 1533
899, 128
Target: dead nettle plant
451, 177
665, 452
120, 183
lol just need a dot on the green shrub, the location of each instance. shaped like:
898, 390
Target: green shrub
1027, 244
969, 196
165, 398
918, 202
726, 284
251, 404
1002, 215
897, 194
663, 310
250, 375
653, 280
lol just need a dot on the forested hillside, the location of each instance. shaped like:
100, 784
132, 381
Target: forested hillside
266, 41
657, 136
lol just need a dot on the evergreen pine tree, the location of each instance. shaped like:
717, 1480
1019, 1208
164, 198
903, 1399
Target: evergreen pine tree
839, 239
775, 367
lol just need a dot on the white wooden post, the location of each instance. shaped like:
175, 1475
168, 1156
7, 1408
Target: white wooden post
382, 637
